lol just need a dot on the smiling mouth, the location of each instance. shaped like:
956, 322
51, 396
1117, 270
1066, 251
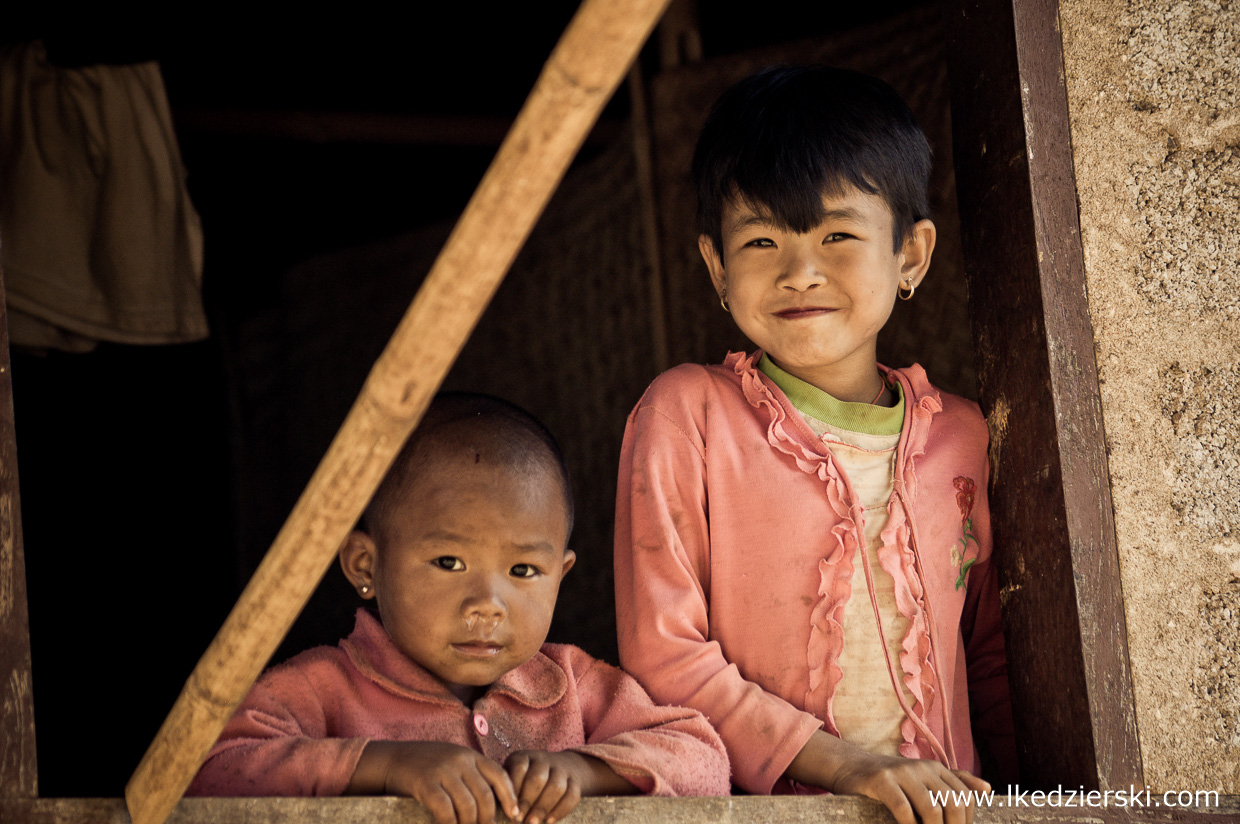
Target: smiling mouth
798, 312
478, 649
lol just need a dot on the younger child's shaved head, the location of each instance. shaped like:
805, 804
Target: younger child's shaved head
462, 425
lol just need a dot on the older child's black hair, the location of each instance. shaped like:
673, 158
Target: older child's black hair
506, 432
786, 136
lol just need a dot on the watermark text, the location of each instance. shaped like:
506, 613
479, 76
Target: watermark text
1132, 796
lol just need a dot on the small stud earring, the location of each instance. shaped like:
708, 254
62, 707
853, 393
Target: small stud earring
723, 300
908, 284
365, 589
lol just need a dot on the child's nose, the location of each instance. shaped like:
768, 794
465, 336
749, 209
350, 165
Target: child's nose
484, 605
801, 270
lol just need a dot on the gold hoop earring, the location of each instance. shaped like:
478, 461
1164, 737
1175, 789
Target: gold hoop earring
908, 284
723, 300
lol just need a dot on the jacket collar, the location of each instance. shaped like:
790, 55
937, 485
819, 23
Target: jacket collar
912, 378
538, 683
789, 433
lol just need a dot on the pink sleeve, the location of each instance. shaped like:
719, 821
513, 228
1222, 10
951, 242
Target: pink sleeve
660, 750
662, 559
981, 627
276, 744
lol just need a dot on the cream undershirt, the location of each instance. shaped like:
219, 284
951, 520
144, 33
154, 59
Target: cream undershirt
865, 708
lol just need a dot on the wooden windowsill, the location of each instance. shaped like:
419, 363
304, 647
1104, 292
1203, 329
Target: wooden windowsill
748, 809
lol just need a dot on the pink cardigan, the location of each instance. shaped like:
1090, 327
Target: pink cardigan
735, 533
302, 728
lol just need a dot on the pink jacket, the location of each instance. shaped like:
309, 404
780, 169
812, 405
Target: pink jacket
735, 534
302, 728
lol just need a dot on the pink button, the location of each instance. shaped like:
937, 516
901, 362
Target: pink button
481, 725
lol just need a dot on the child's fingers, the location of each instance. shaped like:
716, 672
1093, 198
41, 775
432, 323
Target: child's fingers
939, 797
464, 801
537, 772
915, 790
517, 765
927, 810
553, 790
972, 781
439, 803
566, 804
502, 786
482, 795
893, 797
884, 787
955, 779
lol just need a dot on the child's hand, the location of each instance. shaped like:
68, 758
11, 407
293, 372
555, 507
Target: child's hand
903, 785
549, 784
457, 785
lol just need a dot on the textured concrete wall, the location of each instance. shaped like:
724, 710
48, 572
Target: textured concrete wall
1152, 88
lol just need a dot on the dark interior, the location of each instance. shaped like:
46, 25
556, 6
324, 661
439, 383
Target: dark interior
153, 478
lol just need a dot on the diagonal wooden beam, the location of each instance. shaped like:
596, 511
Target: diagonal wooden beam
576, 82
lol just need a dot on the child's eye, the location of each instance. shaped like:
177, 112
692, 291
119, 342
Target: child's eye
761, 243
524, 571
450, 563
835, 237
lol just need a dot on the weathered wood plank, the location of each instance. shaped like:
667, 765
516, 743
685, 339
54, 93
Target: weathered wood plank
18, 774
577, 81
1050, 488
735, 810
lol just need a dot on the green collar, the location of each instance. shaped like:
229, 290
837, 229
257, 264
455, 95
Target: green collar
853, 417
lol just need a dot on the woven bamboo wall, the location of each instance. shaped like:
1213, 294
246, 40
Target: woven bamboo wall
569, 334
567, 337
907, 52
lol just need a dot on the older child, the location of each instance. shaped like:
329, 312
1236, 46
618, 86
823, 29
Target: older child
802, 536
450, 695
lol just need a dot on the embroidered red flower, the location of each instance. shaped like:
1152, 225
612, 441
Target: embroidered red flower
965, 487
965, 490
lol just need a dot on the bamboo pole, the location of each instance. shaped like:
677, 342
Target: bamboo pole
576, 82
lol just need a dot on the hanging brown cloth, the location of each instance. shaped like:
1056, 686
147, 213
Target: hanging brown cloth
98, 238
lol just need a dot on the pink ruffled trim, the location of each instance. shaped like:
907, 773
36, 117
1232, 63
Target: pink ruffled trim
760, 397
826, 639
895, 556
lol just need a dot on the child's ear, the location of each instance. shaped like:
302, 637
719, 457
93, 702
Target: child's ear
714, 262
357, 559
918, 247
570, 558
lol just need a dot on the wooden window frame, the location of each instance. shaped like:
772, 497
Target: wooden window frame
1063, 611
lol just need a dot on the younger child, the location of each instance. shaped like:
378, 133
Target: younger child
449, 695
802, 536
